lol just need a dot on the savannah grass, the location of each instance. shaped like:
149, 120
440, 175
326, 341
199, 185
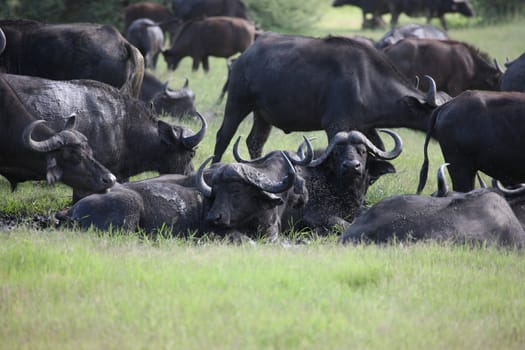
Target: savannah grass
91, 290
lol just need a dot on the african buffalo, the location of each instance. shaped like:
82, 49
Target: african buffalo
478, 217
71, 51
337, 181
176, 103
298, 83
124, 133
429, 8
146, 36
421, 31
240, 198
156, 12
514, 77
190, 9
213, 36
30, 150
455, 66
374, 7
479, 130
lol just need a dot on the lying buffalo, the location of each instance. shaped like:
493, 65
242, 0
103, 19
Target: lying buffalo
148, 37
239, 200
337, 181
30, 150
125, 134
479, 131
71, 51
420, 31
176, 103
455, 66
213, 36
298, 83
514, 77
479, 217
190, 9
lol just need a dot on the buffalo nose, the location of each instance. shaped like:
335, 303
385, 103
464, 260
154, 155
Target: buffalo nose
109, 179
354, 165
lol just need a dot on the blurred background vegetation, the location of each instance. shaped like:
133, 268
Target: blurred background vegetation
289, 15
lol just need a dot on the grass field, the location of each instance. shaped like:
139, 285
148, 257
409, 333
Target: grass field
63, 289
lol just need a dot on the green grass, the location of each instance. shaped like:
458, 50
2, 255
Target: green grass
64, 289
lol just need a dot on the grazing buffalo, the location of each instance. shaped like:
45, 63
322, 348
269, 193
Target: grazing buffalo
176, 103
124, 133
71, 51
245, 199
298, 83
213, 36
30, 150
478, 217
374, 7
479, 131
429, 8
190, 9
147, 36
421, 31
455, 66
514, 77
337, 181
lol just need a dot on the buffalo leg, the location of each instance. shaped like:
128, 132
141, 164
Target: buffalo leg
205, 64
234, 114
462, 174
258, 136
443, 23
195, 65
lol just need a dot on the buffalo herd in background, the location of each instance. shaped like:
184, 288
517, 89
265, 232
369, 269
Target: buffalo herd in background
80, 104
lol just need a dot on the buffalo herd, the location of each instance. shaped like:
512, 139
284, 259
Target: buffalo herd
80, 104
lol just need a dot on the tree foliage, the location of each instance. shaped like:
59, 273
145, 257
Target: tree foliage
496, 9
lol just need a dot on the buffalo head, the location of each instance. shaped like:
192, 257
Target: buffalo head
246, 197
70, 159
179, 146
177, 103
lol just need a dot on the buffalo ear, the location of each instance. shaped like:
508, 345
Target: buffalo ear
378, 168
166, 133
54, 172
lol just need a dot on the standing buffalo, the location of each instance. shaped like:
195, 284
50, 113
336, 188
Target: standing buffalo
190, 9
213, 36
455, 66
514, 77
337, 181
147, 36
125, 135
240, 199
30, 150
478, 217
71, 51
176, 103
479, 131
298, 83
421, 31
156, 12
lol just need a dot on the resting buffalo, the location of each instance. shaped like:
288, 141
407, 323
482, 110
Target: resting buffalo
245, 199
514, 77
190, 9
213, 36
125, 135
30, 150
421, 31
176, 103
146, 36
337, 181
374, 7
455, 66
71, 51
480, 217
479, 131
298, 83
429, 8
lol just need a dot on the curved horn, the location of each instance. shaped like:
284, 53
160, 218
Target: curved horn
200, 183
284, 184
2, 41
432, 91
398, 146
507, 191
498, 67
193, 140
51, 144
442, 181
302, 158
339, 137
